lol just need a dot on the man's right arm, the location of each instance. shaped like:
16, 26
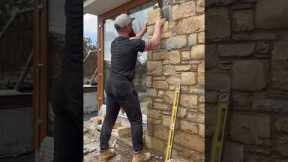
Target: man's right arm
154, 42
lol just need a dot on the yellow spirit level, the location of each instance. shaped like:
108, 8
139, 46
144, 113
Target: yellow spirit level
173, 123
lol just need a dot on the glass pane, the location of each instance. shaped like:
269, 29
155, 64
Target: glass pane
109, 35
141, 15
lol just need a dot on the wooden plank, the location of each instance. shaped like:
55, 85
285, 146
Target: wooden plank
40, 99
100, 64
124, 8
35, 76
44, 70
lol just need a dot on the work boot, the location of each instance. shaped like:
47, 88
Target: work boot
106, 155
141, 157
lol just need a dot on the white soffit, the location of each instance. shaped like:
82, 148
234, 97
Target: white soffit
98, 7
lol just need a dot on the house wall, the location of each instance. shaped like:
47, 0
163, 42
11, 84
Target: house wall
179, 59
246, 50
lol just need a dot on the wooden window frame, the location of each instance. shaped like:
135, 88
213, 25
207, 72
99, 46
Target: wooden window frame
40, 75
124, 8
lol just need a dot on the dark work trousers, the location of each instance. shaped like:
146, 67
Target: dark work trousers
122, 93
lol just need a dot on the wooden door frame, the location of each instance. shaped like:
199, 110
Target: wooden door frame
124, 8
40, 68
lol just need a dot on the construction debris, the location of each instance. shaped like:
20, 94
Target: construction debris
120, 141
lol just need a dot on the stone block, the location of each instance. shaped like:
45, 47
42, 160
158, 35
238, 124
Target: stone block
189, 127
188, 100
217, 80
160, 84
281, 144
185, 55
200, 6
157, 56
182, 68
182, 10
271, 14
168, 97
250, 128
151, 92
250, 75
169, 70
192, 142
243, 20
182, 112
154, 67
281, 124
269, 104
155, 143
211, 57
279, 66
160, 106
201, 130
172, 57
192, 39
190, 25
218, 24
264, 36
153, 114
201, 79
201, 67
219, 2
176, 42
161, 132
233, 152
153, 15
241, 99
236, 50
148, 81
188, 78
173, 80
196, 117
201, 37
211, 96
262, 48
198, 52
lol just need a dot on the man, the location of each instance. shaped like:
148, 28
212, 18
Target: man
119, 87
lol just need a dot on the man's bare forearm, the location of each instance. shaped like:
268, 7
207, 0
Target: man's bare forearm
140, 34
154, 42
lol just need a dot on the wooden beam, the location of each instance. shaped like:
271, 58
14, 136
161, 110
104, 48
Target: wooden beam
100, 64
40, 99
124, 8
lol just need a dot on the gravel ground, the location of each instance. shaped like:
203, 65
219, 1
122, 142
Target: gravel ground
91, 145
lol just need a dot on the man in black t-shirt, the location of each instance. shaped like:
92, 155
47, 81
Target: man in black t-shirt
119, 87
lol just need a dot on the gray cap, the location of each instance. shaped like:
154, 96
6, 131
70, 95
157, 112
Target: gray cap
123, 20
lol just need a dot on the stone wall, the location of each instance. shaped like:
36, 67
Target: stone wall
180, 58
246, 50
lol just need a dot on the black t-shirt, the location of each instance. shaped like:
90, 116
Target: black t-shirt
124, 56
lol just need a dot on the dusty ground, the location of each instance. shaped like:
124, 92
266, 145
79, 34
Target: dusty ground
91, 145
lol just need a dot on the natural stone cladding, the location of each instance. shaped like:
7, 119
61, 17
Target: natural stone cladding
212, 45
180, 58
246, 50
